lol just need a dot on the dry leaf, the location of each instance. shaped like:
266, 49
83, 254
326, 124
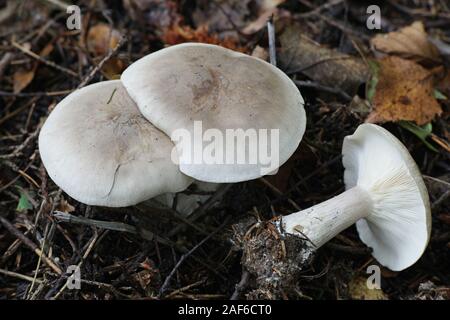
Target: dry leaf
404, 92
22, 78
101, 38
408, 42
266, 10
261, 53
329, 67
65, 206
179, 34
226, 17
359, 290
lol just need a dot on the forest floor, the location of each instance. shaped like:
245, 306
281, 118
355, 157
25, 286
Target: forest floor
347, 74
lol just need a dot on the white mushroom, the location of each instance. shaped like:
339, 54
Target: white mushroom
224, 91
100, 150
385, 196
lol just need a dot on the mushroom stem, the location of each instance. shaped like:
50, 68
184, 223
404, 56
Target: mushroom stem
325, 220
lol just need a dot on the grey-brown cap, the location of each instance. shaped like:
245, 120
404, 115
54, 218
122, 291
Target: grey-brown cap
100, 150
223, 90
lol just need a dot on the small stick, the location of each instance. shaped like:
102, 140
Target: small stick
442, 198
272, 44
22, 146
13, 230
20, 276
116, 226
30, 289
44, 61
57, 3
109, 225
241, 285
278, 192
200, 211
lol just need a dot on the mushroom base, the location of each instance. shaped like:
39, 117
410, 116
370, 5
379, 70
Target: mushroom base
274, 260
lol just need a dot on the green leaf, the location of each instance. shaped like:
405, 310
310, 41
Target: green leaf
374, 68
24, 202
439, 95
422, 132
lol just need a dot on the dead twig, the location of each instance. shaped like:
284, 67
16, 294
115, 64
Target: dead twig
36, 94
185, 256
272, 43
320, 87
20, 276
14, 231
240, 287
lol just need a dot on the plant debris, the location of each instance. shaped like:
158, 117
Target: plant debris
154, 252
408, 42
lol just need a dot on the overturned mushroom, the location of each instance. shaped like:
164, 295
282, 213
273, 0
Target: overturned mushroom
200, 90
100, 150
386, 198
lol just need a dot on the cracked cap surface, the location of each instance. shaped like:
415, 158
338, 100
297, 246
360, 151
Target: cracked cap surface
100, 150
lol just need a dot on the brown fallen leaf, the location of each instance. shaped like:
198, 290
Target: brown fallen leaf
405, 91
153, 14
359, 290
328, 67
408, 42
100, 39
22, 78
65, 206
261, 53
180, 34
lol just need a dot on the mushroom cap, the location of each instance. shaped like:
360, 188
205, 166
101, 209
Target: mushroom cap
399, 225
224, 90
100, 150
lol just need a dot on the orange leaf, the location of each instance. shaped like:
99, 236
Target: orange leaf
22, 78
404, 92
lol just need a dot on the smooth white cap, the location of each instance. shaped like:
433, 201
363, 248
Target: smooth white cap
224, 89
100, 150
399, 226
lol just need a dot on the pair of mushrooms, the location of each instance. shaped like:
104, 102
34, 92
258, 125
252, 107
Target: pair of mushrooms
108, 144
